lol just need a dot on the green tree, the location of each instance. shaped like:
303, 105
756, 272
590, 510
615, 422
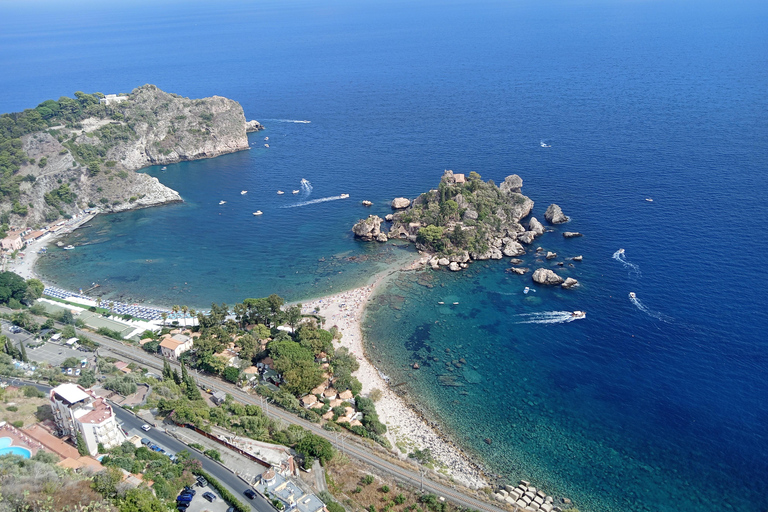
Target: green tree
105, 482
11, 286
23, 352
34, 290
141, 499
315, 446
431, 236
82, 449
87, 378
302, 377
231, 374
70, 362
167, 372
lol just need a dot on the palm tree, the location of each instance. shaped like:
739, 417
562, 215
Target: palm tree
193, 314
185, 310
164, 316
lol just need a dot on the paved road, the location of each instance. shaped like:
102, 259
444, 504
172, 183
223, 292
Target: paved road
159, 437
350, 446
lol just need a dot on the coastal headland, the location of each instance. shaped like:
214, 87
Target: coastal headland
73, 155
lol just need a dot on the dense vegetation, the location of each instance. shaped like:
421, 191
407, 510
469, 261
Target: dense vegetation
460, 216
64, 112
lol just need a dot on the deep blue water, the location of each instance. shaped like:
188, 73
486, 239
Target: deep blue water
656, 408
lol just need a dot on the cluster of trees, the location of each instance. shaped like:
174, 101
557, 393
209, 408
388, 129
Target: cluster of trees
168, 477
14, 290
445, 230
184, 380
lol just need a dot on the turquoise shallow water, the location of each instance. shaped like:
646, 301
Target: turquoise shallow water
655, 405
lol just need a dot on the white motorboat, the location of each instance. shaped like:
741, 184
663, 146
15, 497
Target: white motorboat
578, 314
632, 295
258, 212
304, 182
441, 303
295, 191
455, 303
280, 192
69, 247
222, 202
163, 168
544, 144
243, 192
344, 196
526, 290
266, 145
266, 138
649, 199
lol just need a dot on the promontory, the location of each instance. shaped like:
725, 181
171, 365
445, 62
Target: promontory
70, 154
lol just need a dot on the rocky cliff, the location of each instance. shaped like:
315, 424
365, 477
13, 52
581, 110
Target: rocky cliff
90, 160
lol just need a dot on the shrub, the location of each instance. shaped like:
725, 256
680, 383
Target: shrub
12, 408
213, 454
33, 392
18, 424
385, 489
223, 492
367, 480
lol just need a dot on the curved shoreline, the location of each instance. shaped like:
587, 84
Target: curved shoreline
407, 426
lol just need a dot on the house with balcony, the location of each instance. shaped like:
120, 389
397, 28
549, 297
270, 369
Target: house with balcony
77, 410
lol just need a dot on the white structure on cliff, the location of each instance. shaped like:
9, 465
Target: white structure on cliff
79, 410
111, 99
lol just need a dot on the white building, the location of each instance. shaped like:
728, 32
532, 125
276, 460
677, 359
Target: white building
111, 99
79, 410
175, 345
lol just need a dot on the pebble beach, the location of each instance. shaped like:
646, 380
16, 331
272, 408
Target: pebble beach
405, 426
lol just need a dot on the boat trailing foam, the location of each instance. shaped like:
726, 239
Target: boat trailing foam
551, 317
621, 258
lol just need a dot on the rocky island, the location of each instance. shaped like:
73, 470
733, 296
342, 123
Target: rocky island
76, 153
468, 219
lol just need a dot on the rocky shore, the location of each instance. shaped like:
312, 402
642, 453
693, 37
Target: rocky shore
91, 163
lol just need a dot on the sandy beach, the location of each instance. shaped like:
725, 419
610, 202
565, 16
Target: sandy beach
404, 426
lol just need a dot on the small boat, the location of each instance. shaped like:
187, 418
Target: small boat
258, 212
578, 314
222, 202
280, 192
243, 192
266, 138
455, 303
621, 251
649, 199
526, 290
304, 182
632, 295
69, 247
441, 303
544, 144
344, 196
266, 145
163, 168
295, 191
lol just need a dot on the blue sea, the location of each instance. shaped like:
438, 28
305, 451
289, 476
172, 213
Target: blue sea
653, 404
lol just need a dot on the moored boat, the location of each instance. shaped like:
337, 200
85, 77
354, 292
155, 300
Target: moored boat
295, 191
69, 247
243, 192
280, 192
222, 202
258, 212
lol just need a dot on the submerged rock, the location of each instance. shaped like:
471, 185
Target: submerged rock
572, 234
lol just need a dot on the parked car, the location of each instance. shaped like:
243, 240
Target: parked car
145, 441
77, 372
190, 490
146, 428
249, 493
201, 481
209, 496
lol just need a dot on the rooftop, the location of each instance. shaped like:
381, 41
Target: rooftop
71, 393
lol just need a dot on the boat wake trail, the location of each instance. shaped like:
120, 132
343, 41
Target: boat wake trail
306, 188
289, 121
621, 258
653, 314
548, 317
313, 201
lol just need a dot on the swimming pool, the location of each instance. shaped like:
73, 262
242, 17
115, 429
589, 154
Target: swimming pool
15, 450
7, 449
